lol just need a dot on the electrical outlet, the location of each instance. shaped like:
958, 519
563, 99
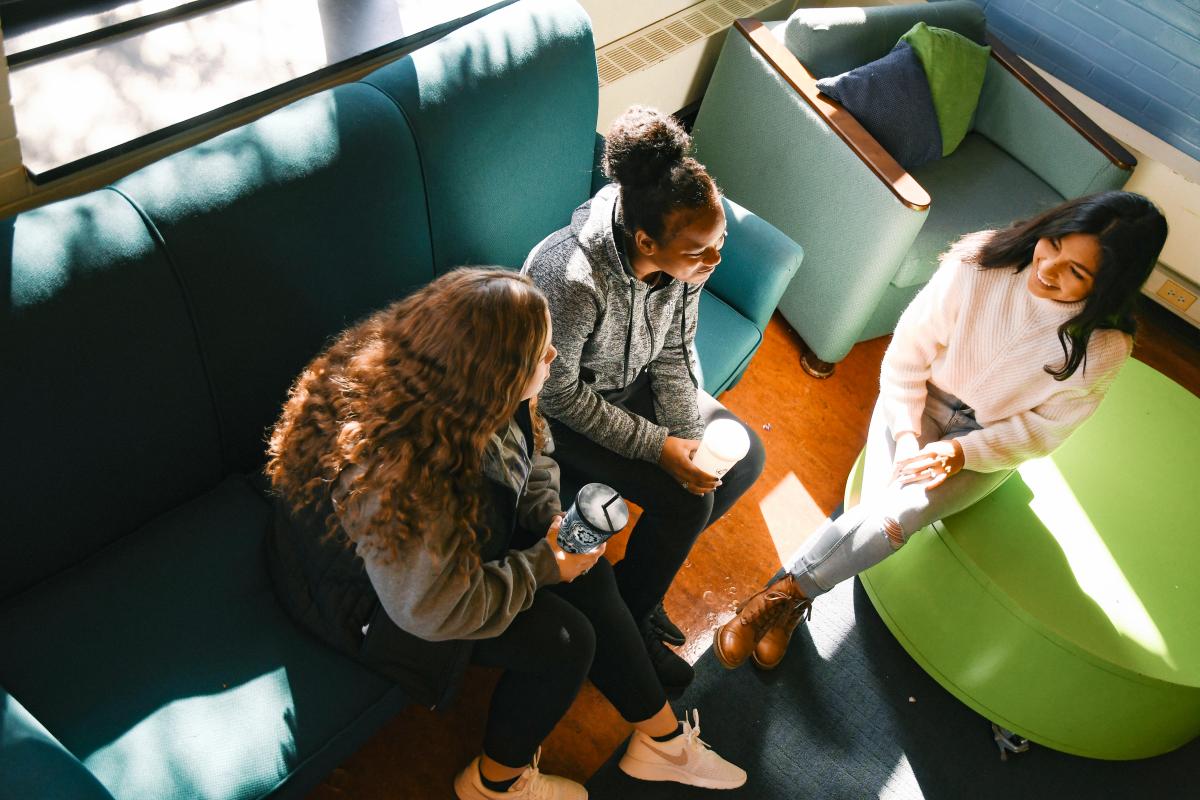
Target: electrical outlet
1176, 296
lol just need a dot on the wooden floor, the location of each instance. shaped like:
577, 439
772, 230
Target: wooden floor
812, 430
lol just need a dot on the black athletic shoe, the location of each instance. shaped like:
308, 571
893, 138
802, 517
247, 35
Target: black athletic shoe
674, 673
659, 626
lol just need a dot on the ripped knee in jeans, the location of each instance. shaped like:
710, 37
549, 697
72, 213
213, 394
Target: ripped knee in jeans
894, 533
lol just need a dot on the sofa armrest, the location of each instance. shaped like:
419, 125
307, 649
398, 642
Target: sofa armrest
34, 764
839, 120
1064, 108
757, 264
1054, 141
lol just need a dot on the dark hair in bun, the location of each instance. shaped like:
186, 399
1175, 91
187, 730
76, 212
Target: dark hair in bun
646, 154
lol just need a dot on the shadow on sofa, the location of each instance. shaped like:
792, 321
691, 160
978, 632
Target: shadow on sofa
150, 332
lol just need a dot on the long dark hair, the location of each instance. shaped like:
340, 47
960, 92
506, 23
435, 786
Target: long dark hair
646, 154
1131, 231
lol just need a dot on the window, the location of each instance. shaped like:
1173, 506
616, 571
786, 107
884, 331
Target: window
92, 79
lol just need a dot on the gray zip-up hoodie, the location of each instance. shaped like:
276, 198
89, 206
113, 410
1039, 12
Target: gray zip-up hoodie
609, 327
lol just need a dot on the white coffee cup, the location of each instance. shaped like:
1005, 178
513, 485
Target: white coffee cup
725, 443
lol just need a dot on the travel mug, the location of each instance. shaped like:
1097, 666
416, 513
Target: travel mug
597, 513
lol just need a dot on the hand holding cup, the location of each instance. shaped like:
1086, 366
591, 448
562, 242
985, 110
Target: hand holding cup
676, 459
571, 565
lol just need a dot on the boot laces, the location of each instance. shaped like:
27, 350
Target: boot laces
764, 616
795, 611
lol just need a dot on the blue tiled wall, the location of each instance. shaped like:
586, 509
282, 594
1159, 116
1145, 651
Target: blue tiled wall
1141, 58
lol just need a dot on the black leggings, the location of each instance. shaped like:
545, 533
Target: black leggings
672, 517
572, 631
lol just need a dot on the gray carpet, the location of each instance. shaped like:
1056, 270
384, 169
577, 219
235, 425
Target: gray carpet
836, 721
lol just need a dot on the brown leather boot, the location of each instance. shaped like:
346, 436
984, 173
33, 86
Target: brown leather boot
736, 639
772, 647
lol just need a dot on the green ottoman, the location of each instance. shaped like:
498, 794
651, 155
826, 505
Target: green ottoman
1065, 606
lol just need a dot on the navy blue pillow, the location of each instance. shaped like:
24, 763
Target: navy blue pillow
890, 98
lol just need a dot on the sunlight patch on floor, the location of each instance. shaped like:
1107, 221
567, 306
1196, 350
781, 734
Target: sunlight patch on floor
791, 515
901, 782
1097, 573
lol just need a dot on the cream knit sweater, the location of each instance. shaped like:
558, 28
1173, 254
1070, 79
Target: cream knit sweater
981, 336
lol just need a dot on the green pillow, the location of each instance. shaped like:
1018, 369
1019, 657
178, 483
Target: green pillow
955, 67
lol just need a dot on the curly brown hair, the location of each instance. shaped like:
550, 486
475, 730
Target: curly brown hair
412, 395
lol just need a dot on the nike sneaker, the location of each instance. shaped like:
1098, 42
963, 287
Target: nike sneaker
532, 785
685, 759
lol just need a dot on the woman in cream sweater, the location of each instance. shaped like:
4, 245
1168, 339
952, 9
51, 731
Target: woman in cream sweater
1009, 347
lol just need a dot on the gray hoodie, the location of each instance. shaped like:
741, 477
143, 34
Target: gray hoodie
609, 327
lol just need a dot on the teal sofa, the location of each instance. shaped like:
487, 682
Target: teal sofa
871, 231
148, 334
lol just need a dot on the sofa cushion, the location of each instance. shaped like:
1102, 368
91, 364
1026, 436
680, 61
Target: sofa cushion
284, 232
890, 97
35, 764
955, 67
167, 667
529, 67
725, 340
959, 207
106, 412
829, 41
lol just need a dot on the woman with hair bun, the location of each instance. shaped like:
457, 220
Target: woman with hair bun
416, 531
623, 281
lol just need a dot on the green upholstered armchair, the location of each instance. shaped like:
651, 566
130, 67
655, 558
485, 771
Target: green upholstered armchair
871, 231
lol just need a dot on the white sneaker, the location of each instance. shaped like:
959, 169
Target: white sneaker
684, 759
532, 785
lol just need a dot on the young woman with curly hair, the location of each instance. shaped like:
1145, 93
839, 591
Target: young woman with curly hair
1008, 349
623, 281
416, 528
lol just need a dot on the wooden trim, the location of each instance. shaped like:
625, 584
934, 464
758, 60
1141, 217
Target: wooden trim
863, 144
1086, 128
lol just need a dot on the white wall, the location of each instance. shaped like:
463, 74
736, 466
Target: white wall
612, 19
671, 84
1166, 175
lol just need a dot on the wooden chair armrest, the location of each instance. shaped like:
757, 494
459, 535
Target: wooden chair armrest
1088, 129
863, 144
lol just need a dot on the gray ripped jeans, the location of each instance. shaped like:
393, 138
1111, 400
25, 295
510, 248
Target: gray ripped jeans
888, 513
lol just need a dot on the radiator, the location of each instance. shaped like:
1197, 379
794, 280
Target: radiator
667, 63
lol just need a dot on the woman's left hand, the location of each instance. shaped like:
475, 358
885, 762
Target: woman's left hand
932, 465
